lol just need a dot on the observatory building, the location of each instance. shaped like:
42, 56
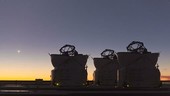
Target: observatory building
106, 69
69, 67
138, 67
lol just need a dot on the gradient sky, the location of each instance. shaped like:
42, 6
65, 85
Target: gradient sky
39, 27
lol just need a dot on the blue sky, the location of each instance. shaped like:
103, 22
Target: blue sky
39, 27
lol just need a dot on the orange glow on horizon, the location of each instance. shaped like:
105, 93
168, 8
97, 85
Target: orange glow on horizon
31, 78
20, 78
165, 78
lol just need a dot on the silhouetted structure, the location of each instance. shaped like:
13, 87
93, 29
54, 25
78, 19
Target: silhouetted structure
138, 67
135, 68
106, 69
69, 67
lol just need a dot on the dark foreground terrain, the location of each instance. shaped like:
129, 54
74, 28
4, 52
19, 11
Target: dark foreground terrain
13, 91
32, 88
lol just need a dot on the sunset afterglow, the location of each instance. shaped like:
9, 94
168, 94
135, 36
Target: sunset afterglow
30, 30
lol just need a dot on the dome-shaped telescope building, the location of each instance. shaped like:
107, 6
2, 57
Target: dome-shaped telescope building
138, 67
69, 67
106, 69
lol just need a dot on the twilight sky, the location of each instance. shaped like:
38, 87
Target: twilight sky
39, 27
